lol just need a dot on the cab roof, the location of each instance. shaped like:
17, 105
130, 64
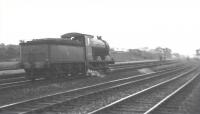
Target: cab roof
75, 34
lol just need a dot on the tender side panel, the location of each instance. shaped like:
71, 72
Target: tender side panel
34, 53
34, 56
66, 54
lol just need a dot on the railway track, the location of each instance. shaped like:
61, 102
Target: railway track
46, 103
174, 102
138, 65
19, 80
13, 80
149, 100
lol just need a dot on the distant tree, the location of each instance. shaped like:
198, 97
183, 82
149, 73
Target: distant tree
168, 53
2, 51
164, 53
8, 52
11, 52
198, 52
176, 55
21, 41
159, 50
112, 49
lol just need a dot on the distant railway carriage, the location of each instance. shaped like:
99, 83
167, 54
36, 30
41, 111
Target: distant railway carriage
71, 54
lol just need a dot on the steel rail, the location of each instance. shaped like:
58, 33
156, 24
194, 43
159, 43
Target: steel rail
78, 89
107, 107
171, 95
11, 79
25, 81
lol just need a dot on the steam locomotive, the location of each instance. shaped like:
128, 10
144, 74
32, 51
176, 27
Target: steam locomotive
73, 53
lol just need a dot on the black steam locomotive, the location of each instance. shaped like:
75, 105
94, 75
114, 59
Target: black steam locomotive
72, 54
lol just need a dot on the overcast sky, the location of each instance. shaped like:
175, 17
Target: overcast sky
123, 23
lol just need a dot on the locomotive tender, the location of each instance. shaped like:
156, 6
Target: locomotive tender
72, 54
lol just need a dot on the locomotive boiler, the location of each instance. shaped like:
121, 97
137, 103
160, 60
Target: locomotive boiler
72, 54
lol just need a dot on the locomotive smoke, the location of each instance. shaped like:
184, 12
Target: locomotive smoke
95, 73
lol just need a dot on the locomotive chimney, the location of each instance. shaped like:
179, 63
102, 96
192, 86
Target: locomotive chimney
99, 38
